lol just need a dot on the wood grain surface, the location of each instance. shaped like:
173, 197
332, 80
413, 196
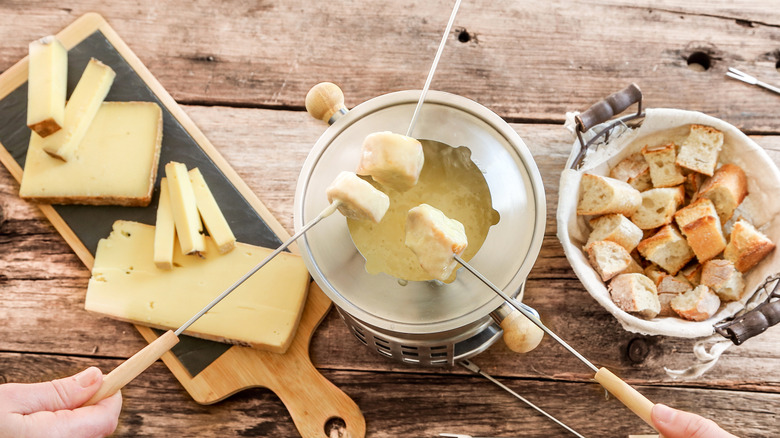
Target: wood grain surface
243, 68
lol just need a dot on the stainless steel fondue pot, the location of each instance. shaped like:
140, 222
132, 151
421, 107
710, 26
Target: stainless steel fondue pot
425, 323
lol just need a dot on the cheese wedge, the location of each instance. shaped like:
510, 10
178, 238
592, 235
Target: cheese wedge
47, 82
185, 209
117, 164
80, 110
165, 230
212, 216
262, 313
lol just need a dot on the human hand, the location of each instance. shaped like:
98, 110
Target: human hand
54, 409
672, 423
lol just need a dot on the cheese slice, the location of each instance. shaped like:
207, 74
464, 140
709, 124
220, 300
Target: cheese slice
117, 163
262, 313
80, 110
47, 82
213, 219
165, 230
184, 208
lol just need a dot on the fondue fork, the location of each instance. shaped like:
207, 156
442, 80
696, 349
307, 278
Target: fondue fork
746, 78
135, 365
624, 392
471, 366
435, 63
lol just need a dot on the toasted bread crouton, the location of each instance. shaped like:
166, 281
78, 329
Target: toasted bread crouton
658, 207
665, 300
608, 258
697, 304
692, 273
663, 170
673, 285
726, 189
723, 278
635, 293
747, 246
604, 195
699, 152
699, 224
693, 183
654, 272
668, 249
633, 170
615, 228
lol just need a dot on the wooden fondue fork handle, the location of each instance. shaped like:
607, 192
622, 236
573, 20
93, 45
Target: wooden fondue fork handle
131, 368
624, 392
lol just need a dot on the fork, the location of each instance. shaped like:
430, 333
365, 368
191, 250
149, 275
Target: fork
746, 78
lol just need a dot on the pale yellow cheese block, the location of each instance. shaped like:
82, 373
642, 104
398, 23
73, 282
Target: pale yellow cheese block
184, 208
165, 230
212, 216
117, 163
262, 313
47, 81
80, 110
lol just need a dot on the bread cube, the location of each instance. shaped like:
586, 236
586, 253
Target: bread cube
633, 170
604, 195
747, 246
723, 278
665, 301
615, 228
726, 189
663, 170
673, 285
658, 207
393, 160
435, 239
698, 304
700, 225
699, 152
635, 293
608, 258
654, 273
692, 273
668, 249
357, 198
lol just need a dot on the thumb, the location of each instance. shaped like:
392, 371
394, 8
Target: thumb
672, 423
68, 393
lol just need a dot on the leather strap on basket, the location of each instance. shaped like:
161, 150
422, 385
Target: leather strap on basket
756, 321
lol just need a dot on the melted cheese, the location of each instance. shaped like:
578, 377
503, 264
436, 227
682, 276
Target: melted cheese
357, 198
434, 238
262, 313
47, 82
393, 160
80, 110
449, 181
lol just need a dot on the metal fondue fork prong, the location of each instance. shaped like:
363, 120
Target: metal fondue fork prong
629, 396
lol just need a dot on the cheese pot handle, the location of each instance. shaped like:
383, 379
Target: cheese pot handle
131, 368
752, 323
604, 110
520, 334
325, 101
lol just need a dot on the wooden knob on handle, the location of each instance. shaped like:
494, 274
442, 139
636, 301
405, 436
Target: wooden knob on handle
131, 368
629, 396
520, 334
324, 101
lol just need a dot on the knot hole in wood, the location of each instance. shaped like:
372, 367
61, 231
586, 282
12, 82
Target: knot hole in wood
699, 61
638, 350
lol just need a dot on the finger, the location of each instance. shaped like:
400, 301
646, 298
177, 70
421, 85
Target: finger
68, 393
98, 420
672, 423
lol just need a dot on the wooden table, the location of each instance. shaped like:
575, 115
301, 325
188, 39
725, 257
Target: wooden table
241, 70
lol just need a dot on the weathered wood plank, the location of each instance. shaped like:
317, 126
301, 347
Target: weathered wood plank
526, 61
155, 404
43, 283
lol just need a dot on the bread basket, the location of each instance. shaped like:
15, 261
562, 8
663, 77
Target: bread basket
600, 146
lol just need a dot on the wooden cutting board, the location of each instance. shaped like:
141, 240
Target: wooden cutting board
209, 371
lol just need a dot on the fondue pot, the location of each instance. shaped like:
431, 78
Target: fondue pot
422, 322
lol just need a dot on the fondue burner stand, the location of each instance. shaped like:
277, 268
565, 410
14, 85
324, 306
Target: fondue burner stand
425, 323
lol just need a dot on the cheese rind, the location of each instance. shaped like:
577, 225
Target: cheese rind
212, 216
262, 313
47, 82
185, 209
165, 230
80, 110
117, 163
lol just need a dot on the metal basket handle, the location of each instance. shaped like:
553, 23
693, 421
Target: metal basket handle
756, 321
603, 111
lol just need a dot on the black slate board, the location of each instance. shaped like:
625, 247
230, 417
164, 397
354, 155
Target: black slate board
92, 223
